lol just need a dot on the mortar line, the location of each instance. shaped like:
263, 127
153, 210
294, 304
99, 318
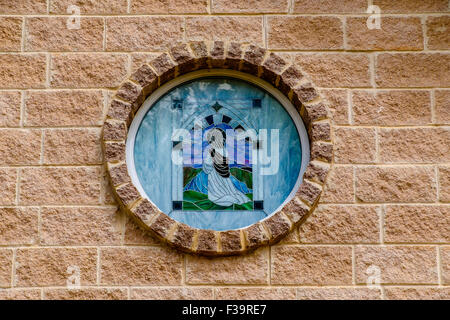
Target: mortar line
436, 173
350, 106
433, 105
423, 22
13, 268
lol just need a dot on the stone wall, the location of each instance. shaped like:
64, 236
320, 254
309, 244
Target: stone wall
385, 210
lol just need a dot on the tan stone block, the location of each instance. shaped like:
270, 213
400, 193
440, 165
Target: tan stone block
396, 264
138, 59
20, 294
23, 7
141, 266
80, 226
251, 6
54, 266
172, 293
417, 293
413, 70
72, 146
444, 183
354, 145
19, 226
417, 224
168, 6
9, 108
22, 70
251, 268
70, 185
90, 6
254, 293
63, 108
338, 104
134, 235
142, 33
342, 224
86, 70
338, 294
52, 34
6, 257
289, 33
395, 184
308, 265
86, 294
8, 180
330, 6
438, 29
242, 29
334, 70
414, 145
442, 106
412, 6
391, 107
20, 146
10, 33
339, 186
396, 33
445, 264
114, 130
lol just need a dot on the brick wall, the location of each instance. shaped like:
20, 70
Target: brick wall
386, 206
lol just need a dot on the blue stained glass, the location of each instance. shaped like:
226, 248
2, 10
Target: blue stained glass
219, 185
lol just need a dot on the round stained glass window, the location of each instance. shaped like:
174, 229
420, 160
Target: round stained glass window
217, 152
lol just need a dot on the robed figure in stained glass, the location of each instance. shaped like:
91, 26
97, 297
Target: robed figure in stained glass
221, 189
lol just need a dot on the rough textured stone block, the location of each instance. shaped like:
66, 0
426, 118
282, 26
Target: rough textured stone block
391, 107
90, 7
330, 6
254, 293
252, 6
408, 223
338, 294
55, 266
396, 184
442, 106
52, 34
20, 146
445, 264
63, 108
20, 294
86, 294
248, 269
172, 293
19, 226
437, 32
72, 146
355, 145
8, 179
339, 186
140, 266
245, 29
80, 226
289, 33
427, 145
87, 70
335, 70
168, 6
9, 108
23, 7
338, 104
10, 33
413, 70
22, 71
396, 33
397, 264
342, 224
70, 185
412, 6
6, 256
311, 265
444, 183
417, 293
142, 33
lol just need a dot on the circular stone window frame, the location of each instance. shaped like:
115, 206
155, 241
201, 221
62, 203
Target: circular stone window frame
184, 58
